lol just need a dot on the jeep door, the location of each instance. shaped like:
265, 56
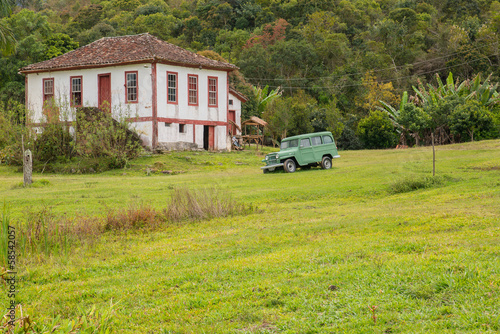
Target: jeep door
318, 148
306, 152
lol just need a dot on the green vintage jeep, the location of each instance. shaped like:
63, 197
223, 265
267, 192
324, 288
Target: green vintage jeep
303, 151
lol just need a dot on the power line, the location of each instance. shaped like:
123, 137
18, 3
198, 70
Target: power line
386, 80
376, 70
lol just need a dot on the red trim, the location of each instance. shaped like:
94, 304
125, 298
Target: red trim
227, 103
176, 87
71, 90
216, 92
197, 89
43, 88
142, 61
177, 121
154, 98
194, 133
99, 102
26, 96
136, 87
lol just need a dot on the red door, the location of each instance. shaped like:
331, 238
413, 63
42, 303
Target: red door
104, 88
211, 137
231, 116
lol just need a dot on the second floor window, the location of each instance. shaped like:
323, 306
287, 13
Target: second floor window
193, 90
171, 87
76, 91
131, 86
212, 92
48, 89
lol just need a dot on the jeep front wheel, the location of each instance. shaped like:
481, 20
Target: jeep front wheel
326, 163
289, 166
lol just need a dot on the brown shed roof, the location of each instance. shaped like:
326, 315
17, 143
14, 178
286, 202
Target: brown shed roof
254, 120
110, 51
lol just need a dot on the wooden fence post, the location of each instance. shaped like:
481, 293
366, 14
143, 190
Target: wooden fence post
27, 167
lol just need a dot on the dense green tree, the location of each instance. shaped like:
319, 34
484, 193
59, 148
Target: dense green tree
470, 117
414, 120
58, 44
377, 131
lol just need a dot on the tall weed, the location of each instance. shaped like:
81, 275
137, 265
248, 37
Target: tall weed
187, 204
4, 234
43, 233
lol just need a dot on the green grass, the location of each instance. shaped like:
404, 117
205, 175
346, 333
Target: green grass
323, 248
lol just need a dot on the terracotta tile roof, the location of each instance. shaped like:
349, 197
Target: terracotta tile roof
126, 49
238, 95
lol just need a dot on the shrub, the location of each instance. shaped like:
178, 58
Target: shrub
98, 135
377, 131
136, 216
54, 143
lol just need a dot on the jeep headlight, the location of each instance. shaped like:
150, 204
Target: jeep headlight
277, 156
267, 158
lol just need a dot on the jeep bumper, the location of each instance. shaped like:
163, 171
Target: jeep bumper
272, 166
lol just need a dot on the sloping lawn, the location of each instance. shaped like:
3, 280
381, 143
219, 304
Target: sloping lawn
325, 251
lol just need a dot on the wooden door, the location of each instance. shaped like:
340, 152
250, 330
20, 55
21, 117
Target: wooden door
211, 137
104, 91
231, 116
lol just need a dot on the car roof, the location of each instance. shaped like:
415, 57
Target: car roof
308, 135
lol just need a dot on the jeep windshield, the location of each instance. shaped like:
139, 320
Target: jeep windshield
289, 143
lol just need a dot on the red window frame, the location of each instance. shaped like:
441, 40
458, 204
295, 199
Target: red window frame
136, 87
72, 101
192, 89
213, 96
46, 95
176, 87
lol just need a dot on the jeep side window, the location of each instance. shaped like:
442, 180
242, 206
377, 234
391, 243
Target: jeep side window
327, 140
316, 140
305, 142
289, 143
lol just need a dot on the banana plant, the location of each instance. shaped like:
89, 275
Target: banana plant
265, 97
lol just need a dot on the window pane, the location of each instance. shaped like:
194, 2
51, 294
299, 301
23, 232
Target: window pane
49, 87
316, 140
131, 87
76, 85
327, 139
305, 142
212, 91
172, 87
193, 90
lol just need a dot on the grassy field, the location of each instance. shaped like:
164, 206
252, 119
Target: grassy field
326, 250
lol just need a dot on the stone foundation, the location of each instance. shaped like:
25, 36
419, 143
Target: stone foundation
177, 146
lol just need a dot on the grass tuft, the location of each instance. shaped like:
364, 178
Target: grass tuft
186, 204
412, 183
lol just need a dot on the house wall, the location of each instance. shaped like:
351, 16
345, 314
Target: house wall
194, 117
236, 107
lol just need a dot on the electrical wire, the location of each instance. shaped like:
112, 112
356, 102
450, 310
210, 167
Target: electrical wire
376, 70
385, 80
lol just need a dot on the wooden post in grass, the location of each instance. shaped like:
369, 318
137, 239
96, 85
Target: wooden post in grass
433, 156
27, 167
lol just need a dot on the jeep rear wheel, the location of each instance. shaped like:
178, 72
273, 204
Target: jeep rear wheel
289, 166
326, 163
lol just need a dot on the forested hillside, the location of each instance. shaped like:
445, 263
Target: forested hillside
333, 60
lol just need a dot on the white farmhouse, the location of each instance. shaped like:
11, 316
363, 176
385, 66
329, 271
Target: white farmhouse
174, 97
